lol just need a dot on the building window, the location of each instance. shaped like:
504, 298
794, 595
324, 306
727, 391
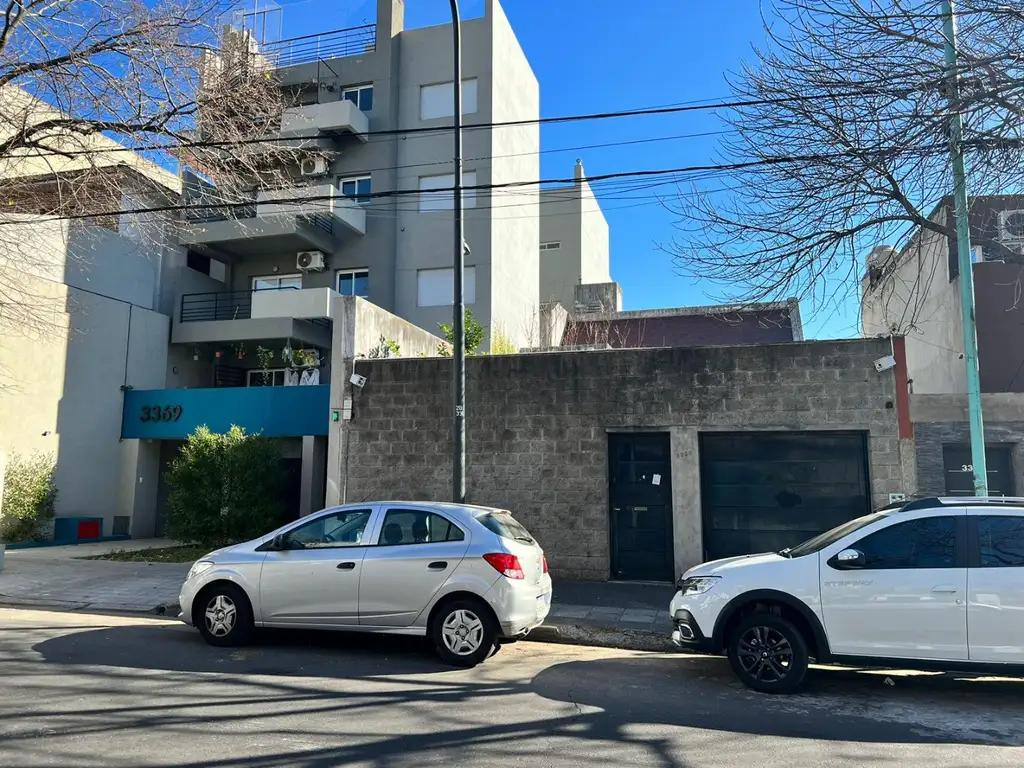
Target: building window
277, 282
272, 377
434, 287
439, 100
354, 282
552, 246
198, 262
360, 95
436, 191
356, 188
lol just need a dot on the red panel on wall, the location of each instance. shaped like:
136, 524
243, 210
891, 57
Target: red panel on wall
89, 529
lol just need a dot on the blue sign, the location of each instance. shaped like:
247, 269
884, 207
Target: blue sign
168, 414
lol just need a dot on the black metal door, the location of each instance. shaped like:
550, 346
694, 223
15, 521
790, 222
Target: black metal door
956, 460
641, 507
765, 491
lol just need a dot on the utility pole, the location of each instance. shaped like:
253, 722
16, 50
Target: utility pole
458, 270
963, 247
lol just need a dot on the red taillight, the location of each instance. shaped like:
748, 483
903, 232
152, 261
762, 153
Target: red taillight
545, 563
505, 564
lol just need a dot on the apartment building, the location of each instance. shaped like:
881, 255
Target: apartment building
915, 292
367, 103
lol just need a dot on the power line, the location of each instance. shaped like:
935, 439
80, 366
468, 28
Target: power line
562, 119
645, 173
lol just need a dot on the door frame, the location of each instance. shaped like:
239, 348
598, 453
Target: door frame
610, 435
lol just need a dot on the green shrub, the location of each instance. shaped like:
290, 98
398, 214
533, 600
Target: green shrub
473, 338
29, 497
224, 488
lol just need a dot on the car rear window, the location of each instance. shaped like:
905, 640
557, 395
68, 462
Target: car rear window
505, 526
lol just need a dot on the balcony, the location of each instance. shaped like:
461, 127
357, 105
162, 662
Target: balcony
268, 222
234, 316
335, 118
324, 46
174, 414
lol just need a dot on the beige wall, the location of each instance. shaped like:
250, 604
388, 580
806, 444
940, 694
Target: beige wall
918, 301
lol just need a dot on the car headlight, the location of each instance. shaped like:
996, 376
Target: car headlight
697, 585
198, 567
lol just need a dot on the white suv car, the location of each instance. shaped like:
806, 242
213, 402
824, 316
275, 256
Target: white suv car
934, 583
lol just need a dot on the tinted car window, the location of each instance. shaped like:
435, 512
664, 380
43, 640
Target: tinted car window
926, 543
413, 526
822, 540
341, 529
505, 526
1001, 541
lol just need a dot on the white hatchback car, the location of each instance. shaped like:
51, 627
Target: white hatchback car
466, 576
935, 583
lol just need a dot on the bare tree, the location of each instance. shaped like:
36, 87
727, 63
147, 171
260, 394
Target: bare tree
842, 143
99, 99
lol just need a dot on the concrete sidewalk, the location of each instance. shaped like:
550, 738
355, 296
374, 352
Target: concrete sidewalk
620, 615
55, 577
609, 613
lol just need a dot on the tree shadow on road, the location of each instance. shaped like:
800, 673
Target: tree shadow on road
311, 700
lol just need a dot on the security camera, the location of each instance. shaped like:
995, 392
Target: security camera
885, 363
357, 380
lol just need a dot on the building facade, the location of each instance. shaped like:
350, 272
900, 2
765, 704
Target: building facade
636, 464
916, 292
373, 109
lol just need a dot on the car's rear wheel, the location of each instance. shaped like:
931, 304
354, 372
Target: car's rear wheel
464, 633
768, 653
223, 615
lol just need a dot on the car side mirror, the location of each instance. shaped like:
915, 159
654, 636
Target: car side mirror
849, 559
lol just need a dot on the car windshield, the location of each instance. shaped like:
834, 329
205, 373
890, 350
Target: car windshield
822, 540
506, 526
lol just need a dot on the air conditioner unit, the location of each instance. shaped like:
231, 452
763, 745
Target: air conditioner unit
313, 166
310, 261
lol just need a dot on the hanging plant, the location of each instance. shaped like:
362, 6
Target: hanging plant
266, 357
240, 351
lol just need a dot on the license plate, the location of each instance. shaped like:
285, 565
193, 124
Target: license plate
542, 602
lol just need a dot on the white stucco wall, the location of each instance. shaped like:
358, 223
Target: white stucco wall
917, 300
515, 226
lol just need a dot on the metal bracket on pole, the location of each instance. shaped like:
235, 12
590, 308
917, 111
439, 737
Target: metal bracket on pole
963, 247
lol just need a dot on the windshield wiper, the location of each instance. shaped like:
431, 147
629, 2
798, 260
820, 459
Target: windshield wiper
785, 552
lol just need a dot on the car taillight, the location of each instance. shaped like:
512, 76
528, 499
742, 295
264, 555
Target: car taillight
505, 564
545, 563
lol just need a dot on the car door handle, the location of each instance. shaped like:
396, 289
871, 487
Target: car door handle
346, 566
437, 565
945, 588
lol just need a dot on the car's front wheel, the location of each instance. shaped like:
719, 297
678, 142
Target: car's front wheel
768, 653
223, 615
464, 633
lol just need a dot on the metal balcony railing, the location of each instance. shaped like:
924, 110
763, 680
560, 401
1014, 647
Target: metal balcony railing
225, 305
207, 208
322, 221
323, 46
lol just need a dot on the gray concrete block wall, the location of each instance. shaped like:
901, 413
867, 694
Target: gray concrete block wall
929, 437
538, 428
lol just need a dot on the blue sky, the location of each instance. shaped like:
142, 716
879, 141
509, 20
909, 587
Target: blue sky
590, 56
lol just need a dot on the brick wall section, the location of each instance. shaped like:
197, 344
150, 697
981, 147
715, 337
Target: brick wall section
929, 438
538, 424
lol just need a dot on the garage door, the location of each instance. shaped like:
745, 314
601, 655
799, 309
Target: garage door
764, 491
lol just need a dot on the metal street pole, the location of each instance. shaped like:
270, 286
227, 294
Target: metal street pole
458, 268
963, 246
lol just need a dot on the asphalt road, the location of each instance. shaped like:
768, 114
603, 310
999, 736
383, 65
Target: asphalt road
82, 690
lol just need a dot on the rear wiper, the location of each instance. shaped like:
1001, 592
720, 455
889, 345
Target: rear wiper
527, 539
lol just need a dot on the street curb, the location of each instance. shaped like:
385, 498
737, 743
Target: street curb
169, 610
603, 637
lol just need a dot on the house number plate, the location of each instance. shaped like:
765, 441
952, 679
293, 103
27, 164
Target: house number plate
160, 413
